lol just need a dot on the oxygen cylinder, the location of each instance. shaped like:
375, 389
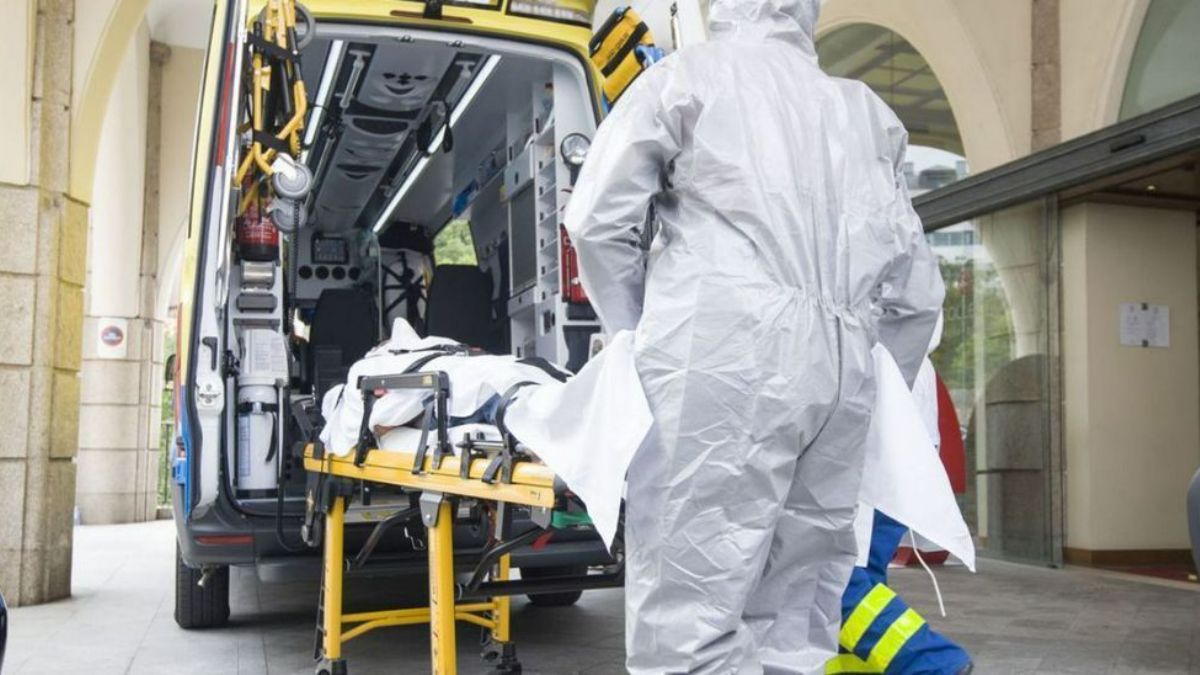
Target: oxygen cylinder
264, 370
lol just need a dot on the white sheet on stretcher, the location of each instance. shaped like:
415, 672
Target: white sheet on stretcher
597, 418
407, 439
473, 381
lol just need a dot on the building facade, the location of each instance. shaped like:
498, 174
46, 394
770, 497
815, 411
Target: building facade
1054, 154
1076, 226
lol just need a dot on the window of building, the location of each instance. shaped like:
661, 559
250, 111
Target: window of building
1166, 61
900, 76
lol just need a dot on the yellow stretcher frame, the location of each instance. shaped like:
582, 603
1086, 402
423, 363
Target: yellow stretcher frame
532, 485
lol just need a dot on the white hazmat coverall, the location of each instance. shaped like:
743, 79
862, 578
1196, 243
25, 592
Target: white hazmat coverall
788, 247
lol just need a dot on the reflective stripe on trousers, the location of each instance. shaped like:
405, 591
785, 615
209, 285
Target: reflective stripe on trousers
880, 633
873, 644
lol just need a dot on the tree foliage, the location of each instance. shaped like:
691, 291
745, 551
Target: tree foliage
977, 317
454, 245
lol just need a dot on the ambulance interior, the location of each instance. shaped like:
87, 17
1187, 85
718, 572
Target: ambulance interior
409, 132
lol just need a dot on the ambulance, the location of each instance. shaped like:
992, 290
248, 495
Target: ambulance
336, 141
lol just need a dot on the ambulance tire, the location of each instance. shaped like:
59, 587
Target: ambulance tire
562, 599
200, 606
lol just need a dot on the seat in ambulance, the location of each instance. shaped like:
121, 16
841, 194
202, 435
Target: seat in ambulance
460, 307
344, 327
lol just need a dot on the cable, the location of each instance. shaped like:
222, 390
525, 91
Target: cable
936, 590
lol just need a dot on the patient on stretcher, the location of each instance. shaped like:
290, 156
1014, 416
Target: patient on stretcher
478, 383
565, 420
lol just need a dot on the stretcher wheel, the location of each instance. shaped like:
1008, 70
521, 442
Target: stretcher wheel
561, 599
337, 667
502, 657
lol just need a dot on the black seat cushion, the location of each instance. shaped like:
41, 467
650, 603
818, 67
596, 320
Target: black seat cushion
460, 307
344, 328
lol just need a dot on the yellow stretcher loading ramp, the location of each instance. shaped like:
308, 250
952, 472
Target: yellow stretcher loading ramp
500, 475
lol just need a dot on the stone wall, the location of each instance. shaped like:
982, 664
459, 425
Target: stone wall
43, 235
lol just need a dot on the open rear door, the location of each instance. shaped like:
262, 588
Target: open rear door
200, 397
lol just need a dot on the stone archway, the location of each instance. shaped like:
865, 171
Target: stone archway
103, 31
141, 181
993, 123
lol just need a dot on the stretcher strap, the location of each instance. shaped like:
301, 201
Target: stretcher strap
502, 463
544, 366
269, 48
506, 400
366, 437
435, 353
418, 466
270, 141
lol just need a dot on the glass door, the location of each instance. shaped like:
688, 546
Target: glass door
998, 360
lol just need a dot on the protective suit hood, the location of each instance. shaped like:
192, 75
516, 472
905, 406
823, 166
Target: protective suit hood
792, 21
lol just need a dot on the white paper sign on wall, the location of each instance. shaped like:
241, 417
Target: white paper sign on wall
112, 338
1145, 325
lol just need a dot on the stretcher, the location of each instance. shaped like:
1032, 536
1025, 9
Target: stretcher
500, 475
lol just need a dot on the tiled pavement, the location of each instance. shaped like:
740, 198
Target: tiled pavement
1014, 619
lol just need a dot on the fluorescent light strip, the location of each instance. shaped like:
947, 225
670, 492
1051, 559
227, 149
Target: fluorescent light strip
463, 103
324, 91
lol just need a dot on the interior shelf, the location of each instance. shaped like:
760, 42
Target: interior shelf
546, 135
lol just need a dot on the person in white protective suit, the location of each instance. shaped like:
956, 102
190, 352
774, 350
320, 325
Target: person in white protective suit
788, 248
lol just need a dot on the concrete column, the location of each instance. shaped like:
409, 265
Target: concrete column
118, 439
153, 327
42, 242
1014, 240
1046, 57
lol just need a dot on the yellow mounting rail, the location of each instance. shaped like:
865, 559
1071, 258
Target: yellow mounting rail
532, 485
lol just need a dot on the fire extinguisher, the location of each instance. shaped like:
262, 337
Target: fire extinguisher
572, 286
257, 236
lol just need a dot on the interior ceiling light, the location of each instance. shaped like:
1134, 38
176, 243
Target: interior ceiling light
324, 91
459, 109
1151, 188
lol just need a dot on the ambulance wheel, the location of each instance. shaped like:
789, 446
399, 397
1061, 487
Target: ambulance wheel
561, 599
199, 606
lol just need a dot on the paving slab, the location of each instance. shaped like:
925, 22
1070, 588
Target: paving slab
1014, 619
